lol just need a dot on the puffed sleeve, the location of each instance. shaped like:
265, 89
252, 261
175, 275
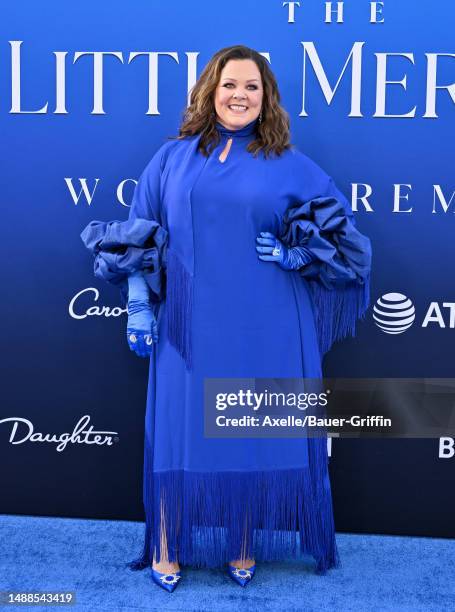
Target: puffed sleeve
339, 276
139, 243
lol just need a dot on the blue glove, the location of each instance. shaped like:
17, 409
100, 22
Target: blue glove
273, 249
142, 329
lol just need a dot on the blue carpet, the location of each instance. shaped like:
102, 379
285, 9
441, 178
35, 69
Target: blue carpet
378, 573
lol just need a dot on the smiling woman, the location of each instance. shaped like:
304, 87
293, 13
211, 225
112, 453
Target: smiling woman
238, 98
231, 300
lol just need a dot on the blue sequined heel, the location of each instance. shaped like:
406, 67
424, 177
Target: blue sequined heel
167, 581
240, 575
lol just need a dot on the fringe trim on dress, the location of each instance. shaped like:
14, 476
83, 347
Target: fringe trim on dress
210, 516
179, 297
337, 310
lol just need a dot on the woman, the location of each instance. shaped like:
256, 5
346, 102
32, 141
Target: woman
240, 258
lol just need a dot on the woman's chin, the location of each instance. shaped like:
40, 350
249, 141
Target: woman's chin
236, 119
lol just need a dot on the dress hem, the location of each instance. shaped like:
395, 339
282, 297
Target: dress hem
211, 518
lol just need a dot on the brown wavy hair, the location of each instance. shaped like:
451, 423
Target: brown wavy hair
272, 134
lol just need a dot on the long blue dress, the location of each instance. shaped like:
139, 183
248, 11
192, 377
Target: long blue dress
222, 312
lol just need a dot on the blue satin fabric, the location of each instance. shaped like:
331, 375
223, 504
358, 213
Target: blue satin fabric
142, 328
249, 318
123, 247
342, 254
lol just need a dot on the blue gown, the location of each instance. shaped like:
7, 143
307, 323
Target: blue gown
222, 312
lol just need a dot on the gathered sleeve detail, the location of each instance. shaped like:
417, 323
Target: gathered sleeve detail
342, 253
339, 276
123, 247
120, 248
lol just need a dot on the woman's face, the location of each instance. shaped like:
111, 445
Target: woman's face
240, 84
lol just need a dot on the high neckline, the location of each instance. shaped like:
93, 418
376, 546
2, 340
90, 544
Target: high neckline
246, 130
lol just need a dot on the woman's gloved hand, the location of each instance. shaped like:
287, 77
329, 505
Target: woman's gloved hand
272, 249
142, 328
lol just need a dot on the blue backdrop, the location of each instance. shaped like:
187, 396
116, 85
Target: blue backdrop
89, 91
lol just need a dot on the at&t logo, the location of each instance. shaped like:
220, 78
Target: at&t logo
394, 313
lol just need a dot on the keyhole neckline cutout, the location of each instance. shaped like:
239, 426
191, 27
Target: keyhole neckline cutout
225, 152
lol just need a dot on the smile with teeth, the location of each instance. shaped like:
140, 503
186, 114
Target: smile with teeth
237, 107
